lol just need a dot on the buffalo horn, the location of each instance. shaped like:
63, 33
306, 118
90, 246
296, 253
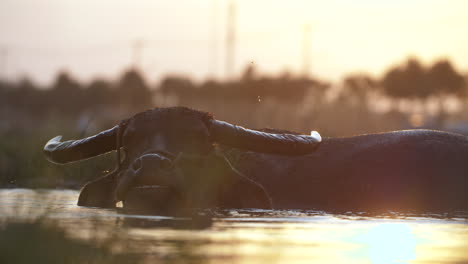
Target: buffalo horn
285, 144
74, 150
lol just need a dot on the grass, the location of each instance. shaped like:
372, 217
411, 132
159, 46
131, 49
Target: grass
22, 163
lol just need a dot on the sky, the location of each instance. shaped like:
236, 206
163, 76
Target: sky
100, 39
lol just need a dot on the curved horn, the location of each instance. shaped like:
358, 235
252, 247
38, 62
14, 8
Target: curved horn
240, 137
74, 150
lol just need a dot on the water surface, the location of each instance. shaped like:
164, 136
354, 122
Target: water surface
257, 236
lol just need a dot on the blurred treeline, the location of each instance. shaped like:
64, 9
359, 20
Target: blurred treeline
408, 95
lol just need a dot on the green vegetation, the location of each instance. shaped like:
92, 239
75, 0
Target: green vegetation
403, 97
22, 163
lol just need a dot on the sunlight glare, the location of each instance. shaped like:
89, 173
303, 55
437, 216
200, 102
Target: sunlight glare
391, 243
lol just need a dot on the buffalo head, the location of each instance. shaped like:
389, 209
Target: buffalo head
152, 141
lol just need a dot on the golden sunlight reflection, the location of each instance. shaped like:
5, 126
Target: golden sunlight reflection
391, 243
325, 241
256, 236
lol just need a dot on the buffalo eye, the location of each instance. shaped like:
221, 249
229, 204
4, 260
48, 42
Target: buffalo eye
136, 165
166, 163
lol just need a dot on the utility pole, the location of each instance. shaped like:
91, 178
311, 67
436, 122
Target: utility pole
3, 62
137, 47
306, 50
213, 51
230, 38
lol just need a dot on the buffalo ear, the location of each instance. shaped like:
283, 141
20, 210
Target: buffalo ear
99, 193
244, 192
177, 159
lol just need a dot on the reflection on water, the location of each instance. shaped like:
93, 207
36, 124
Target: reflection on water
390, 243
259, 236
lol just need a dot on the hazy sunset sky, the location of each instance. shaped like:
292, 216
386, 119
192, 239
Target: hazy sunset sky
95, 38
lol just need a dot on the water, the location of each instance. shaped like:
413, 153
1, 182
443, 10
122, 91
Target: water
258, 236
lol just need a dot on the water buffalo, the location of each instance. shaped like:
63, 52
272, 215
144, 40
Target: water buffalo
198, 161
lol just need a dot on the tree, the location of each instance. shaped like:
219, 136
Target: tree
249, 74
66, 95
64, 83
444, 80
413, 81
406, 82
359, 86
99, 93
133, 92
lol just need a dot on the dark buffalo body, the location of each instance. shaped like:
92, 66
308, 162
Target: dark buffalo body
198, 161
404, 170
